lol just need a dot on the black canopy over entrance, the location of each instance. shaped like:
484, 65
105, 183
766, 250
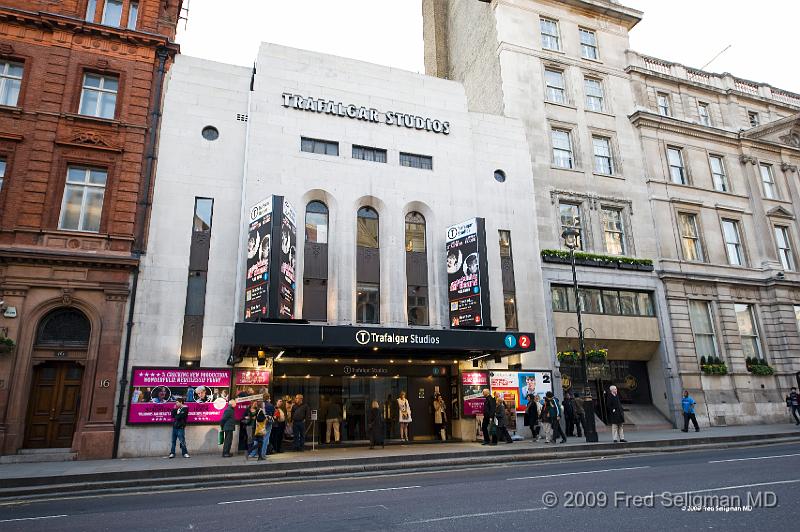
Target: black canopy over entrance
323, 340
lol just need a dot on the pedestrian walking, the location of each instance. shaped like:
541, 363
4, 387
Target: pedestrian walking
500, 415
569, 414
439, 417
250, 426
556, 421
300, 414
687, 404
793, 402
616, 416
259, 433
531, 418
580, 413
227, 425
546, 417
179, 416
405, 415
269, 413
375, 426
489, 407
278, 427
333, 418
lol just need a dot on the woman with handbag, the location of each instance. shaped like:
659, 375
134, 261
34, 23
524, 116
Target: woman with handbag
279, 427
405, 415
547, 420
375, 426
439, 417
500, 415
260, 430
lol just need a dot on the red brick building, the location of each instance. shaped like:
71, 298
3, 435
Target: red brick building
80, 90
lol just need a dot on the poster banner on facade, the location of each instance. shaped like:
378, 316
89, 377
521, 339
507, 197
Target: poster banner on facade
259, 248
288, 262
468, 284
154, 391
250, 384
472, 385
522, 383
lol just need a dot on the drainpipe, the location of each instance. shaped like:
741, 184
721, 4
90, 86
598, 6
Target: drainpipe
142, 216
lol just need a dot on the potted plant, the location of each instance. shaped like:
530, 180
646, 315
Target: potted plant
6, 344
758, 366
597, 355
713, 366
568, 357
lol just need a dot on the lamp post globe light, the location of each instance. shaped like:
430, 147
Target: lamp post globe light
571, 240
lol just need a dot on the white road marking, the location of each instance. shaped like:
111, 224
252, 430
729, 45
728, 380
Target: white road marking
727, 488
754, 458
32, 518
466, 516
581, 473
304, 495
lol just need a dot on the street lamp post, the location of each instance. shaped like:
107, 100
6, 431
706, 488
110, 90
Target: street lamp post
570, 236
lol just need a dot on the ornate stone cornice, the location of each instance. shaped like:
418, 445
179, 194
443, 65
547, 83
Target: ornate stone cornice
744, 159
786, 167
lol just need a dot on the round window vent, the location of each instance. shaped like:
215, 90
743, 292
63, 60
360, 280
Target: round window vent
499, 176
210, 133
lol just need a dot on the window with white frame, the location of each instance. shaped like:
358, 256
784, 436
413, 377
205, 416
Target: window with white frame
556, 89
613, 230
2, 172
718, 175
664, 108
550, 37
677, 171
784, 247
702, 321
10, 82
82, 206
99, 95
690, 236
91, 8
603, 159
133, 15
588, 44
768, 181
562, 149
748, 330
797, 316
570, 216
112, 13
703, 112
594, 94
733, 242
753, 118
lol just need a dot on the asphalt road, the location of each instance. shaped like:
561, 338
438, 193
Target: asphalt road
568, 495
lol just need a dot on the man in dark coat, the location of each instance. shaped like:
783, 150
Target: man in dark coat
532, 416
227, 425
300, 414
489, 407
179, 415
569, 414
616, 416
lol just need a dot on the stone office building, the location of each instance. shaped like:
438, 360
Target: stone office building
78, 83
375, 164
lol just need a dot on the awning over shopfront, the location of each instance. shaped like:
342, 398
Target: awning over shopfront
377, 342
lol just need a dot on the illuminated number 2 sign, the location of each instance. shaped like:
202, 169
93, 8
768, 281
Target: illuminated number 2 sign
524, 341
511, 341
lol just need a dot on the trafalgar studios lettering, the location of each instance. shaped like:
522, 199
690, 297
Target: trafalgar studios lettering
368, 114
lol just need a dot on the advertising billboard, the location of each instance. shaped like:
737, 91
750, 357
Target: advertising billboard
472, 385
520, 384
467, 278
259, 249
288, 262
154, 390
249, 384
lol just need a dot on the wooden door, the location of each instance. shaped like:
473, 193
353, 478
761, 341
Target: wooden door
54, 404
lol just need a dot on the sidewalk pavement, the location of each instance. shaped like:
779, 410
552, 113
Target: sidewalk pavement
329, 457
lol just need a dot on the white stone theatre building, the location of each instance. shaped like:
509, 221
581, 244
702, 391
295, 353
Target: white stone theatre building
374, 165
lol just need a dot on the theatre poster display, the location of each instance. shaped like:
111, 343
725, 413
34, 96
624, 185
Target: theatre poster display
472, 385
522, 383
249, 385
288, 262
154, 391
259, 248
468, 289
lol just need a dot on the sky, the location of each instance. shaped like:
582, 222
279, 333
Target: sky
389, 32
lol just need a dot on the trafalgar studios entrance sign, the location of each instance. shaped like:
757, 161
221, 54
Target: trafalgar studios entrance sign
367, 114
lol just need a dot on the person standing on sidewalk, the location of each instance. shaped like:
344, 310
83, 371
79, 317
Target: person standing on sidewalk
687, 403
375, 426
532, 416
556, 421
547, 415
580, 422
569, 415
489, 407
300, 415
227, 425
278, 427
269, 414
259, 432
500, 414
439, 417
179, 416
793, 402
333, 418
616, 416
405, 415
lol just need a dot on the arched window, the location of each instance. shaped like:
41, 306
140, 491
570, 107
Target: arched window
415, 232
64, 327
367, 227
316, 223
